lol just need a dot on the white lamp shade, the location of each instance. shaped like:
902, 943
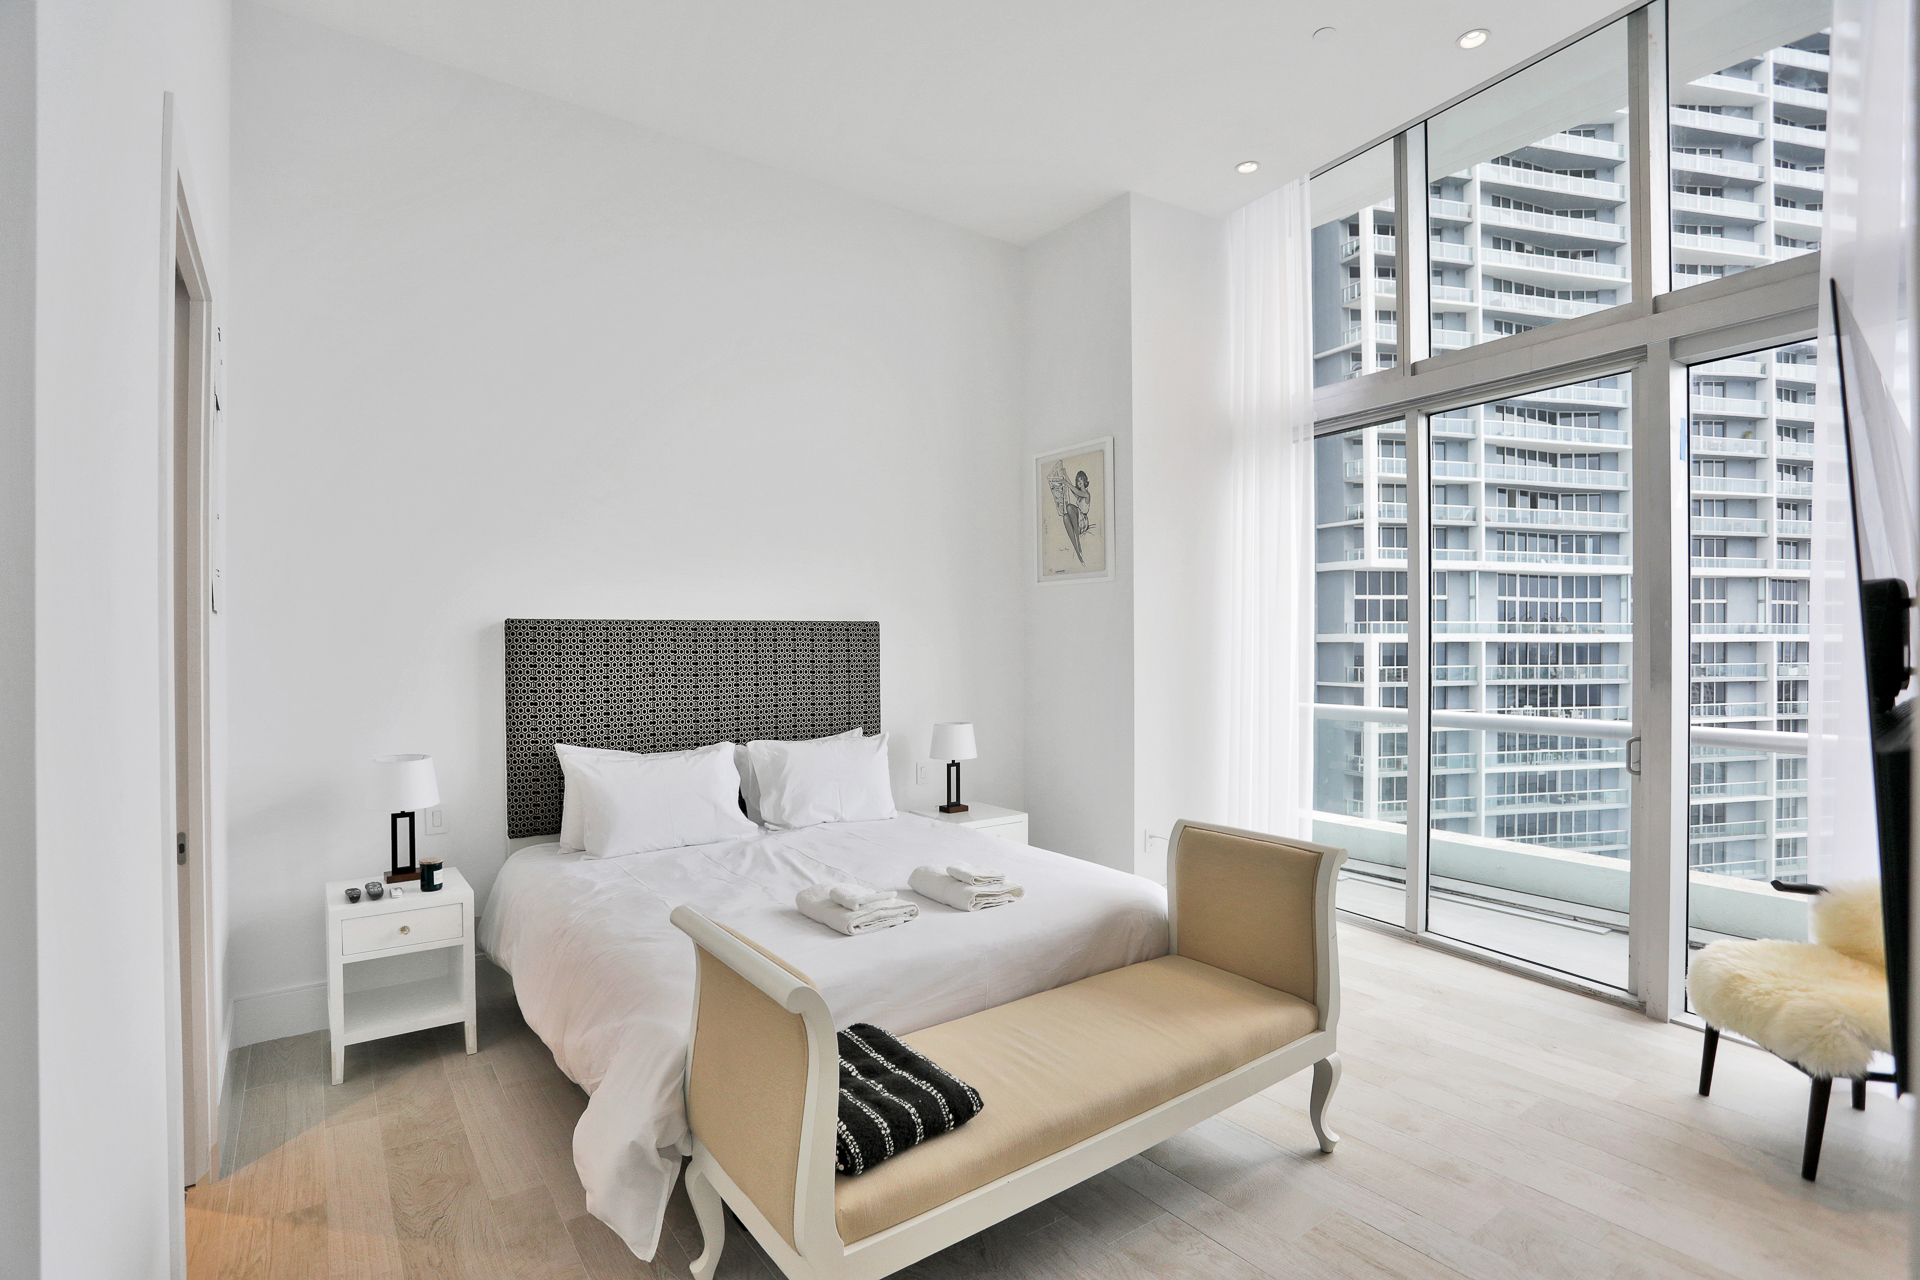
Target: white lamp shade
407, 783
952, 742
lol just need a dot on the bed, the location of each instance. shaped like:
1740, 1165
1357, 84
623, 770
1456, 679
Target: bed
604, 978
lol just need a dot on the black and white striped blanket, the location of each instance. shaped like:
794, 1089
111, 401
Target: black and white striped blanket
891, 1098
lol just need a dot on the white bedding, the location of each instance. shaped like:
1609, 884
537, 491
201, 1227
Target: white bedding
607, 981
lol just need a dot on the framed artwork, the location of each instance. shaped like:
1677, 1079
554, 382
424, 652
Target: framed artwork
1073, 490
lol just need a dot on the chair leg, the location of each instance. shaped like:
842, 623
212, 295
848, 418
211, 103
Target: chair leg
1326, 1075
712, 1214
1860, 1095
1708, 1049
1816, 1125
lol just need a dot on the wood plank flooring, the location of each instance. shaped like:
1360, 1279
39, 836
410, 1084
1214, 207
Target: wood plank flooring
1492, 1127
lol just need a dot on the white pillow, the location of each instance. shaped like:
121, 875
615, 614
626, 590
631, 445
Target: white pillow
841, 779
750, 787
642, 803
572, 829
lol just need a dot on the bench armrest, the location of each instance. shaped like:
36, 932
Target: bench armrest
1256, 905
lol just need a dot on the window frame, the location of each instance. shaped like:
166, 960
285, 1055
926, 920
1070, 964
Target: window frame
1654, 338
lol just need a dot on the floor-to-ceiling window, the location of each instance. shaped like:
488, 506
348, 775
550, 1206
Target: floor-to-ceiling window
1562, 597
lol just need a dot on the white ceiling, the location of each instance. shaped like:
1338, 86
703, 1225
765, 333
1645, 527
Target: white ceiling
1011, 117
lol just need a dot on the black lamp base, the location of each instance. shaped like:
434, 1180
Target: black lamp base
953, 804
411, 871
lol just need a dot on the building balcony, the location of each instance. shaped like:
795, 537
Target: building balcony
1390, 510
1556, 799
1382, 466
1787, 825
1444, 513
1808, 218
1793, 448
1788, 95
1722, 249
1559, 558
1385, 246
1522, 429
1734, 563
1571, 519
1455, 762
1527, 304
1800, 136
1533, 179
1727, 484
1754, 787
1538, 759
1729, 405
1728, 524
1455, 424
1739, 446
1349, 247
1451, 293
1799, 179
1368, 629
1566, 477
1733, 84
1448, 470
1447, 251
1729, 671
1793, 488
1480, 625
1738, 367
1705, 711
1455, 675
1609, 672
1578, 146
1552, 265
1793, 529
1748, 629
1450, 339
1716, 165
1790, 786
1455, 553
1579, 228
1441, 210
1721, 830
1742, 210
1685, 117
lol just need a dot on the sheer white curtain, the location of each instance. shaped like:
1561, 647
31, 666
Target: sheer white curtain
1270, 755
1866, 298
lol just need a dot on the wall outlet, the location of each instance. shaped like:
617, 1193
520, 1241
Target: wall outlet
433, 822
923, 773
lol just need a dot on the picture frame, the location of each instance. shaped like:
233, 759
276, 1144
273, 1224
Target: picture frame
1075, 519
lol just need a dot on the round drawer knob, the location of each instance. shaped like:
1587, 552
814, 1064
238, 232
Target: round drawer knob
406, 928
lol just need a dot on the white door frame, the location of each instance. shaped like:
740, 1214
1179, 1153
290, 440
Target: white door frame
194, 1060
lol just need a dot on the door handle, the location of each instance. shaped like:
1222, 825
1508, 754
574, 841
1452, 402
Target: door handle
1633, 756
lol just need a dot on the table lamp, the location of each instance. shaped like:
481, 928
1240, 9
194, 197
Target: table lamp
953, 743
407, 785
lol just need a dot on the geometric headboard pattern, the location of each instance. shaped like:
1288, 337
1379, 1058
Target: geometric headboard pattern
668, 685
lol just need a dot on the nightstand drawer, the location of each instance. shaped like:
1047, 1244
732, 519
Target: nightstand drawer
1016, 831
400, 929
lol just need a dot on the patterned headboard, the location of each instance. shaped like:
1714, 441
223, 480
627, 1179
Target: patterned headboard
670, 685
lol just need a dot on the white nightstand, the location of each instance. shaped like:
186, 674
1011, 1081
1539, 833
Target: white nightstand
380, 982
987, 819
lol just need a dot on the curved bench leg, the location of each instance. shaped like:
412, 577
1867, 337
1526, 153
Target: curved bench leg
1326, 1074
712, 1213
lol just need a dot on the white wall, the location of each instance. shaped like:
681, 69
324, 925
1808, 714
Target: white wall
1183, 451
493, 356
109, 1198
1080, 655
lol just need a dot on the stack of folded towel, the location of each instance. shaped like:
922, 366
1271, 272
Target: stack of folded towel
964, 886
854, 908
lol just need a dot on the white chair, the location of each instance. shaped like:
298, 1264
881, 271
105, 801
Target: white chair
1820, 1005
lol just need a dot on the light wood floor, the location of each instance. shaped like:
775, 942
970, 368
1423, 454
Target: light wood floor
1492, 1128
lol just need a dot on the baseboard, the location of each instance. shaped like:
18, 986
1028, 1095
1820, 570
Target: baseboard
269, 1015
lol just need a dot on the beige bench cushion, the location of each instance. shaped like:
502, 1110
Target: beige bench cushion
1063, 1065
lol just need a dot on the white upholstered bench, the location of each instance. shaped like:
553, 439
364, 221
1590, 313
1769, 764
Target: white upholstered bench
1075, 1080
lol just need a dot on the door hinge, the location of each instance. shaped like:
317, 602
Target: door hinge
180, 850
1633, 756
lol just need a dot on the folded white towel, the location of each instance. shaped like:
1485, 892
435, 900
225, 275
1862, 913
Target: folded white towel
931, 882
855, 896
967, 873
816, 903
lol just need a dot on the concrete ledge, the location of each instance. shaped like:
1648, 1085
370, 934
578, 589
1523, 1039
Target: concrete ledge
1721, 904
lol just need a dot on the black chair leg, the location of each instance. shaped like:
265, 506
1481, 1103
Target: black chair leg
1816, 1125
1860, 1095
1708, 1049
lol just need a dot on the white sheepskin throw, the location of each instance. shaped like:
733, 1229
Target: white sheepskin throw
1820, 1004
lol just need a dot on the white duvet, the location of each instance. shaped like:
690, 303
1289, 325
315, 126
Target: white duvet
607, 981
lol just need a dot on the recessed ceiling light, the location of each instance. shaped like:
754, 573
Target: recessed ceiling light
1474, 38
1246, 166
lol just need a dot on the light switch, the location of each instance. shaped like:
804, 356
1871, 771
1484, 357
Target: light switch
433, 822
923, 773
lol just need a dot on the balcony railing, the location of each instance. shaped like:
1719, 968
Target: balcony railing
1558, 557
1581, 519
1728, 524
1794, 488
1752, 787
1789, 824
1449, 210
1454, 675
1728, 671
1793, 528
1448, 469
1456, 760
1606, 672
1584, 146
1727, 484
1533, 305
1566, 477
1801, 58
1700, 404
1508, 175
1585, 228
1800, 136
1728, 710
1581, 755
1745, 210
1745, 447
1451, 339
1719, 830
1733, 84
1735, 126
1794, 97
1556, 799
1748, 628
1550, 262
1444, 513
1452, 424
1793, 448
1523, 430
1579, 393
1447, 251
1716, 165
1726, 246
1729, 562
1800, 179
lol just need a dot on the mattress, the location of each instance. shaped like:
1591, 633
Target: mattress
607, 982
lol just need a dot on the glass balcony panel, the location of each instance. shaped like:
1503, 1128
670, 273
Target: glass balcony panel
1748, 121
1527, 189
1528, 834
1360, 692
1750, 628
1352, 251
